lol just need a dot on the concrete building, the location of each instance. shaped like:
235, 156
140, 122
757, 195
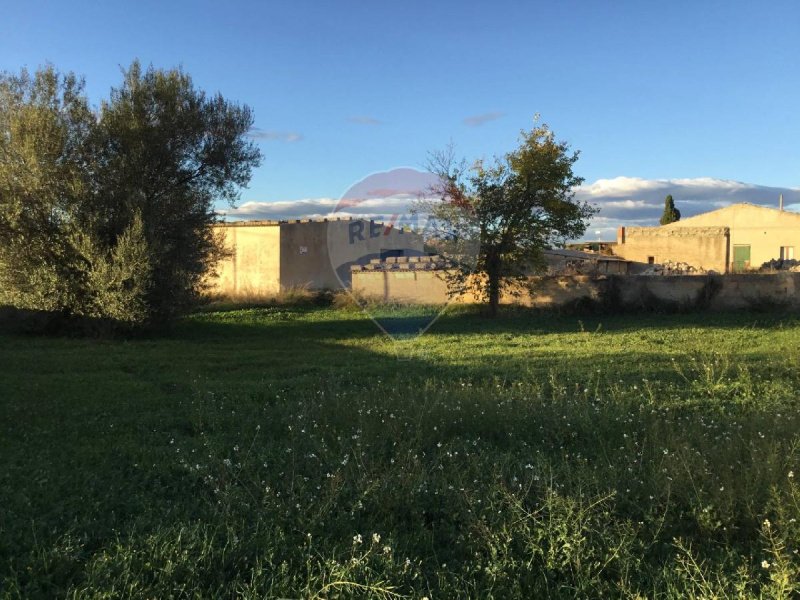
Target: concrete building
735, 238
265, 257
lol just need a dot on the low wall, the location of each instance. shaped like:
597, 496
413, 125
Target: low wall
715, 292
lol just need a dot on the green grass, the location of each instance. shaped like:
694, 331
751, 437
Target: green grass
297, 452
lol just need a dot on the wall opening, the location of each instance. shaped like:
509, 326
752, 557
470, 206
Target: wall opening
391, 253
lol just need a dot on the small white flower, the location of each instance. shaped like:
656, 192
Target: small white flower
765, 564
376, 538
357, 539
791, 474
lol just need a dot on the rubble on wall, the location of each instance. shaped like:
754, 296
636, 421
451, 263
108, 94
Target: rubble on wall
572, 262
675, 268
778, 264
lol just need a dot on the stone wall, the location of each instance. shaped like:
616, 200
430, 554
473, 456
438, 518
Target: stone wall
611, 292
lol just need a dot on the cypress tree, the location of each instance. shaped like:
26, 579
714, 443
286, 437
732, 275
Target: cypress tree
671, 214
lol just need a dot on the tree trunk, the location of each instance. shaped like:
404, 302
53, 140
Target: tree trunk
493, 285
494, 298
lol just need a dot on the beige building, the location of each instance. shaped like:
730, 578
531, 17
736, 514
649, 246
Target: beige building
735, 238
265, 257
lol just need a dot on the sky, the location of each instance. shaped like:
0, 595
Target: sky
698, 99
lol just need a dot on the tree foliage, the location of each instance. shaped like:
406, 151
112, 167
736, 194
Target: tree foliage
106, 213
495, 220
670, 214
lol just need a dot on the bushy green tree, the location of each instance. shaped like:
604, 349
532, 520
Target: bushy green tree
45, 122
499, 218
107, 214
671, 214
168, 152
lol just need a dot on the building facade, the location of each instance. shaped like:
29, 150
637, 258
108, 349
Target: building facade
731, 239
267, 257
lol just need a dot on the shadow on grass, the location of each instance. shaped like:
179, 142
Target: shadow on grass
88, 424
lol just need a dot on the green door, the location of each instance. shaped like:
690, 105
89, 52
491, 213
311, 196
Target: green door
741, 258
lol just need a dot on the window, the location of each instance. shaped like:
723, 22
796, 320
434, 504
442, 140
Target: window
787, 252
651, 260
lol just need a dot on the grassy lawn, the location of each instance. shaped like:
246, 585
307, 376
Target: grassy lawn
298, 452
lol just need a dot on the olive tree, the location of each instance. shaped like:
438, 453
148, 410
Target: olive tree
107, 213
45, 123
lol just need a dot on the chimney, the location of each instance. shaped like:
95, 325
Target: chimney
780, 202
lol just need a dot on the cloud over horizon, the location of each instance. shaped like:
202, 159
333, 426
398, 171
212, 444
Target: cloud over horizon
640, 202
628, 201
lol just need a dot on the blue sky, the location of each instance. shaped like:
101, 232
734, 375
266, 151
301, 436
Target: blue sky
700, 91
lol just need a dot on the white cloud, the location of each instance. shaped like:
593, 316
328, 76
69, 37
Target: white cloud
620, 187
627, 201
381, 208
627, 204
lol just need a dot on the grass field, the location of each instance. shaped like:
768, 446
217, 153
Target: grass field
296, 452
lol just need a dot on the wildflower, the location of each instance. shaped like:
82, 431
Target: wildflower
791, 474
765, 564
357, 539
376, 538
